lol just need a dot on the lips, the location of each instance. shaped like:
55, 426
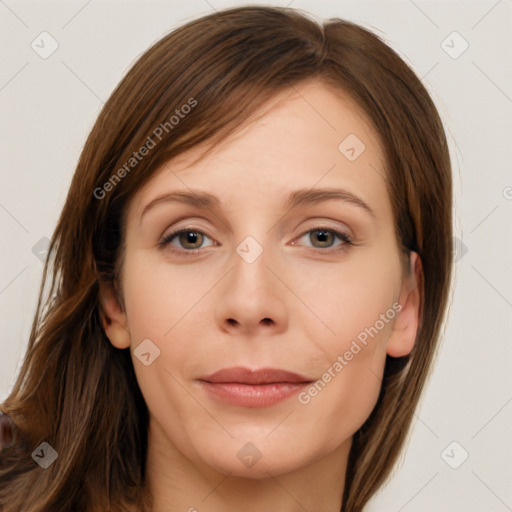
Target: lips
243, 387
255, 377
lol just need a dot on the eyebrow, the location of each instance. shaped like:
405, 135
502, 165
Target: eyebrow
302, 197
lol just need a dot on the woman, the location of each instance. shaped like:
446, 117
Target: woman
248, 279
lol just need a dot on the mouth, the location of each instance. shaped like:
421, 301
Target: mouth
253, 388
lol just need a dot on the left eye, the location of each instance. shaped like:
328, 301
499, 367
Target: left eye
325, 237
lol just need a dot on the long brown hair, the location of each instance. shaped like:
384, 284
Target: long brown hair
76, 391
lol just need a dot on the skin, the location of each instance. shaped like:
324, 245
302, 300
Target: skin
296, 307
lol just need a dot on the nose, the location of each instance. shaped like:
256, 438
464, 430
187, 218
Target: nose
252, 299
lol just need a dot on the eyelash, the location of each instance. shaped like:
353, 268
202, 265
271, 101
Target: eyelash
347, 241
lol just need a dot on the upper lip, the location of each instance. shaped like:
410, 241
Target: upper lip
255, 376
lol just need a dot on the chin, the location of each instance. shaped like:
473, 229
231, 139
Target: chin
247, 462
259, 471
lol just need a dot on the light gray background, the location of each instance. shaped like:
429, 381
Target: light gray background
49, 105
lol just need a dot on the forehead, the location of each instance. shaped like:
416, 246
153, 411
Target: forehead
310, 135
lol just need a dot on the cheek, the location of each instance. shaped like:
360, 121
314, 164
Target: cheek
161, 306
357, 308
340, 404
166, 304
160, 297
350, 297
351, 362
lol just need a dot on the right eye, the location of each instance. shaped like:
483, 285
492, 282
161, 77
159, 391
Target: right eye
189, 239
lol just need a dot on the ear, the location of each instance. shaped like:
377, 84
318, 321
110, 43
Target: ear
405, 327
114, 318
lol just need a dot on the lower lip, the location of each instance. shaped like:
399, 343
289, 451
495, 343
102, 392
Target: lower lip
247, 395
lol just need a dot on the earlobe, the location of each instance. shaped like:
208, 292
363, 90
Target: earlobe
113, 318
405, 328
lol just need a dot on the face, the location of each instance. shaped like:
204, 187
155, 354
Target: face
293, 266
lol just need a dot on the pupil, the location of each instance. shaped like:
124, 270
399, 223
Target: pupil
323, 235
190, 237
